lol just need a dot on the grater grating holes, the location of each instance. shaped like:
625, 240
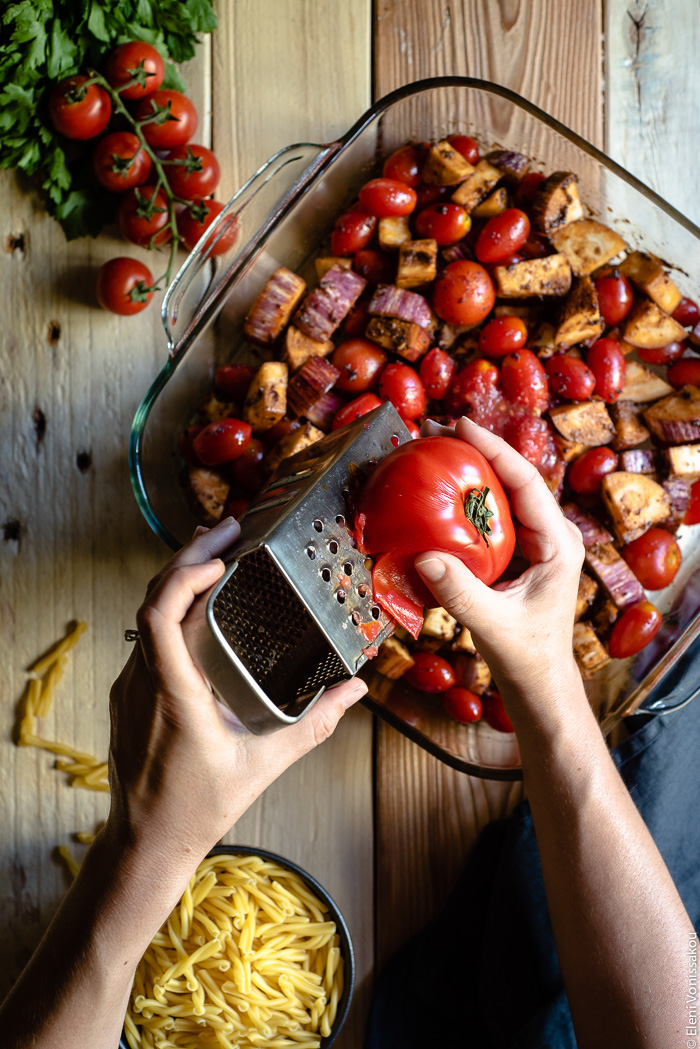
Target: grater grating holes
330, 671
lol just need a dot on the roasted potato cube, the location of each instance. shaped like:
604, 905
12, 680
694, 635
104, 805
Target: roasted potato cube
477, 186
629, 428
527, 311
463, 642
299, 348
294, 442
649, 327
445, 166
393, 231
683, 461
328, 261
634, 503
587, 245
266, 401
207, 491
557, 202
417, 263
643, 385
494, 204
676, 419
474, 674
587, 590
590, 652
550, 275
569, 450
439, 623
409, 340
649, 276
603, 619
580, 317
585, 422
393, 659
213, 409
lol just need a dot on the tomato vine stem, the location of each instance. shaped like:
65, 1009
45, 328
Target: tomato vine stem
477, 512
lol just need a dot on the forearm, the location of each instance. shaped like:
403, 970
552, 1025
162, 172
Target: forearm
620, 927
76, 987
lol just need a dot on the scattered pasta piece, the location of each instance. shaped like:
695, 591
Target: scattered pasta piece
69, 860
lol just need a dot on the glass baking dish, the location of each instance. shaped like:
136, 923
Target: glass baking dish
283, 214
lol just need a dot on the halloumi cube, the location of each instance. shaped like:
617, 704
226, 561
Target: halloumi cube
557, 202
393, 659
587, 245
649, 327
477, 186
584, 422
393, 231
580, 317
642, 384
266, 400
445, 166
647, 273
294, 442
439, 623
634, 503
532, 278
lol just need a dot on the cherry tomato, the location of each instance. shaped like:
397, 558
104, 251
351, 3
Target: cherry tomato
436, 371
662, 354
430, 673
524, 381
427, 193
502, 236
248, 469
633, 630
222, 441
502, 335
614, 296
462, 705
404, 165
401, 385
186, 444
78, 111
411, 427
607, 362
464, 294
119, 162
692, 512
353, 230
367, 402
173, 127
235, 506
375, 266
143, 216
494, 710
586, 472
654, 557
193, 221
685, 372
527, 189
569, 377
192, 171
359, 362
386, 197
530, 436
131, 60
687, 313
476, 377
535, 247
233, 381
358, 318
123, 286
445, 223
281, 429
467, 146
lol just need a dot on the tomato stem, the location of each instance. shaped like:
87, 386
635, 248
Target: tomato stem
477, 512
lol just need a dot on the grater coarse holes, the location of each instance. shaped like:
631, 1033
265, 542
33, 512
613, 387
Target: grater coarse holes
293, 613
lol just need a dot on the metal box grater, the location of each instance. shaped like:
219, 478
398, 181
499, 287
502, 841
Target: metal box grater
293, 613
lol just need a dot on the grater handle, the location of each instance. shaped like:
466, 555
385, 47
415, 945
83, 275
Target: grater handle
281, 179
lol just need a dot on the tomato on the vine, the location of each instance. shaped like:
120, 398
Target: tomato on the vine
445, 223
222, 441
461, 704
673, 351
607, 362
386, 197
194, 220
174, 119
353, 230
587, 472
464, 294
124, 286
404, 165
401, 385
359, 362
685, 372
135, 60
634, 629
78, 109
367, 402
502, 335
524, 381
144, 217
569, 377
119, 162
654, 557
502, 236
614, 296
192, 171
430, 673
467, 146
436, 371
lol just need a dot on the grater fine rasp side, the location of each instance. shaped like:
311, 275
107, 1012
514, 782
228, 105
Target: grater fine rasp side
293, 613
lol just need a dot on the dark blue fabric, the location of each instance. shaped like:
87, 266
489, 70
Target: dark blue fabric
485, 974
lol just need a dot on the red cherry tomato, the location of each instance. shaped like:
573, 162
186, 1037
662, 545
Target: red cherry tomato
386, 197
524, 381
462, 705
436, 371
586, 472
402, 386
464, 294
607, 362
78, 111
353, 230
427, 193
222, 441
143, 216
193, 221
233, 381
281, 429
662, 354
685, 372
527, 189
171, 128
467, 146
535, 247
186, 445
235, 506
654, 557
355, 324
692, 513
360, 406
359, 362
494, 710
248, 469
123, 286
375, 266
192, 171
634, 629
477, 377
446, 223
614, 296
502, 236
404, 165
430, 673
119, 162
502, 335
687, 313
530, 436
411, 427
569, 377
131, 60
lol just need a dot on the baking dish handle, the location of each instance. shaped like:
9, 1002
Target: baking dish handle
251, 212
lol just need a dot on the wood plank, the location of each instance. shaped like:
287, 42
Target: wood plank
429, 816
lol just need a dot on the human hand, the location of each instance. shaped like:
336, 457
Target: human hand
182, 768
522, 627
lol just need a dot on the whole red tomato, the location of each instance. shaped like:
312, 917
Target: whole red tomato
192, 171
405, 165
569, 377
359, 362
692, 513
467, 146
174, 119
462, 705
464, 294
436, 371
386, 197
193, 221
367, 402
587, 472
672, 351
445, 223
615, 296
634, 629
143, 216
524, 381
430, 673
123, 286
233, 380
654, 557
375, 266
138, 61
685, 372
79, 111
502, 335
401, 385
495, 712
248, 469
119, 162
222, 441
607, 362
687, 313
502, 236
437, 493
352, 231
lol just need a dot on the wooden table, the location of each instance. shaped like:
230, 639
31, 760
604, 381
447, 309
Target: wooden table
384, 826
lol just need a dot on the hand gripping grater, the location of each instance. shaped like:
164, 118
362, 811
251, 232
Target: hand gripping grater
293, 613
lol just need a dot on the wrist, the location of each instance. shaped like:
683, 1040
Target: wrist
549, 704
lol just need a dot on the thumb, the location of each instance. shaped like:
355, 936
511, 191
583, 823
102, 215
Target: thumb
322, 720
458, 590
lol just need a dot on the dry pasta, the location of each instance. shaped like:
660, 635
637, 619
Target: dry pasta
245, 960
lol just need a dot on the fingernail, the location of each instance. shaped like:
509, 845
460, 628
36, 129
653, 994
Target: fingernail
466, 419
199, 530
432, 569
357, 689
226, 522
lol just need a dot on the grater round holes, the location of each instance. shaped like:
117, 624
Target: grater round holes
376, 611
333, 546
311, 551
369, 564
395, 440
340, 520
356, 617
363, 590
347, 568
326, 574
318, 525
341, 597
